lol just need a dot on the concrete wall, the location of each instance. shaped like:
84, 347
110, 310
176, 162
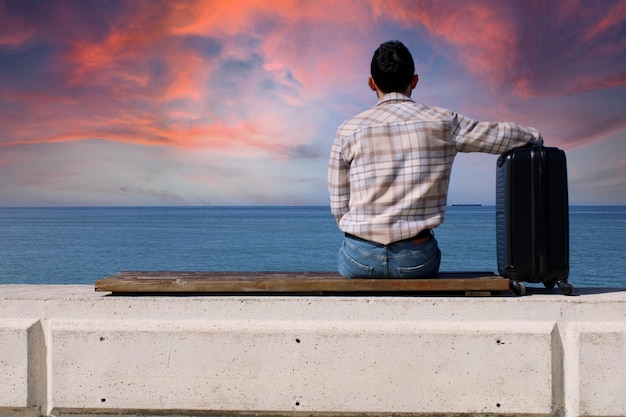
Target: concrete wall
66, 350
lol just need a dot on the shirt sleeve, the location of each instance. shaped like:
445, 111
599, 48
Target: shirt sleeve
492, 137
338, 185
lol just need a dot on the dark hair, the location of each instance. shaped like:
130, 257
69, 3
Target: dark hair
392, 67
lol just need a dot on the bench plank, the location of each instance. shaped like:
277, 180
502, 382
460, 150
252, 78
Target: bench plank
293, 282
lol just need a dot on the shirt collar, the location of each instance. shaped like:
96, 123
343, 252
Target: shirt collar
391, 97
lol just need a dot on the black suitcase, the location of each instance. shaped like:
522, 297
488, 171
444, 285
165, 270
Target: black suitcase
532, 218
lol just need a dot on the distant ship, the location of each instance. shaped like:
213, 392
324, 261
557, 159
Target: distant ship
466, 205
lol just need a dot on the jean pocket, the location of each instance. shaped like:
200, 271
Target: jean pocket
350, 268
428, 269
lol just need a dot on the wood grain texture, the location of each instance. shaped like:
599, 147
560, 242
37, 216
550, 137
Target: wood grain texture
292, 282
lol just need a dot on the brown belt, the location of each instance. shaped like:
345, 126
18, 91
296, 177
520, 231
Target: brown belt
421, 240
422, 237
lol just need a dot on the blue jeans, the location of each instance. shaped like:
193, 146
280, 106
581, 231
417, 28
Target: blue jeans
363, 259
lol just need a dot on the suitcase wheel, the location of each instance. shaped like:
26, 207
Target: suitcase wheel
517, 287
566, 288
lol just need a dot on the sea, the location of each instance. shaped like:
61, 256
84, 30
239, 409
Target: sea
80, 245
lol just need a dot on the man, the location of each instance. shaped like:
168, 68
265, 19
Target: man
389, 172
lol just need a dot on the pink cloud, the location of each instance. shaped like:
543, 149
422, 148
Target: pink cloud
489, 52
14, 32
271, 79
606, 21
537, 49
119, 85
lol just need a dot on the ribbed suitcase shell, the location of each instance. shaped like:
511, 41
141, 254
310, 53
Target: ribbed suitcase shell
532, 215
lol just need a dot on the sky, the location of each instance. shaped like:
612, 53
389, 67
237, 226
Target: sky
236, 102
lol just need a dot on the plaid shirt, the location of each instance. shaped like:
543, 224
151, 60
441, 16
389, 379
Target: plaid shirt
390, 166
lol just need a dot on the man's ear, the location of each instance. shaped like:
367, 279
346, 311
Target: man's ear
372, 84
414, 81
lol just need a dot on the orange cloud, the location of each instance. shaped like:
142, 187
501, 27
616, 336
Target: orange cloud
141, 80
258, 87
224, 74
536, 49
607, 21
484, 35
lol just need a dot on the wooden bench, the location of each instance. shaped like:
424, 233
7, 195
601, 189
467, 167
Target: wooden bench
151, 282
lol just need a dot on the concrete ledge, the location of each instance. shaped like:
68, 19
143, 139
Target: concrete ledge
22, 372
66, 350
14, 362
602, 367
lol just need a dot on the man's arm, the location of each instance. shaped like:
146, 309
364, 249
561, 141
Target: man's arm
492, 137
338, 185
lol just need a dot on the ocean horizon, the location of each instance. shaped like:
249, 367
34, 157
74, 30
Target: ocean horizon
81, 244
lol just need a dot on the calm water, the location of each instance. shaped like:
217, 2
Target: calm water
81, 245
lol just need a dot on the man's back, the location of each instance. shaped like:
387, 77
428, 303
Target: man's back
389, 171
400, 159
